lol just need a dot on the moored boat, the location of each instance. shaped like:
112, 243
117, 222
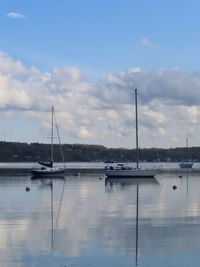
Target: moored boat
130, 172
48, 169
123, 170
186, 164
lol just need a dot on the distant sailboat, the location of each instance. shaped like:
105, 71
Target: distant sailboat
123, 170
186, 164
47, 168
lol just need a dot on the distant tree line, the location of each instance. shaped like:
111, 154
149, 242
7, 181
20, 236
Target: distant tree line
24, 152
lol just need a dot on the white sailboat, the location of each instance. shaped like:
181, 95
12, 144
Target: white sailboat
186, 164
47, 168
123, 170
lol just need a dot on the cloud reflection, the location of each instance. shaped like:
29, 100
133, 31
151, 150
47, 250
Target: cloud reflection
96, 219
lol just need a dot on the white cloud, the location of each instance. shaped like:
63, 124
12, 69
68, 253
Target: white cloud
84, 133
162, 131
15, 15
146, 42
103, 113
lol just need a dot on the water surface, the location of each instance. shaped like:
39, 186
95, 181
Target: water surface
91, 221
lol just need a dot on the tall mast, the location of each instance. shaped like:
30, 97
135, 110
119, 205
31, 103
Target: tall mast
52, 110
136, 127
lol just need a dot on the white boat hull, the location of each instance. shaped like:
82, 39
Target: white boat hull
145, 173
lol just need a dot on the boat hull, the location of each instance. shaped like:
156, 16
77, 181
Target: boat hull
137, 173
186, 165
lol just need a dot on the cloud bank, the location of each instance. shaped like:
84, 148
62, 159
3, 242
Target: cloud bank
103, 113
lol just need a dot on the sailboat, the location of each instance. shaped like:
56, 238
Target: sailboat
123, 170
47, 168
186, 164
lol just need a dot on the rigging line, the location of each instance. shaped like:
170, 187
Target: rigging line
61, 151
59, 209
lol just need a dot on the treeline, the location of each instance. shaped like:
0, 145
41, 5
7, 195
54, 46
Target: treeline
24, 152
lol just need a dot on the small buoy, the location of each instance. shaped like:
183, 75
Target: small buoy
27, 189
174, 187
100, 178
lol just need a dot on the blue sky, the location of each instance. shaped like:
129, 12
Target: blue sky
102, 36
95, 44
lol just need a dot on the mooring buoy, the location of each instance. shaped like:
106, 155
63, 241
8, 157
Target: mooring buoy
174, 187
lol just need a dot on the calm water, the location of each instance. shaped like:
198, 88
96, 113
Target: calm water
86, 221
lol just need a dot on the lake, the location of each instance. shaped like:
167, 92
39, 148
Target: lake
88, 221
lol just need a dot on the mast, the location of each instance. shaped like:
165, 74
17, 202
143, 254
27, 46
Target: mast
136, 127
52, 110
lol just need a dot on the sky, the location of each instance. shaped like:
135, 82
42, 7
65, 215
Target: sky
85, 57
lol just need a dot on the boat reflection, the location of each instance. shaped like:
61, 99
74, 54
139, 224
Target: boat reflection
124, 183
46, 178
48, 182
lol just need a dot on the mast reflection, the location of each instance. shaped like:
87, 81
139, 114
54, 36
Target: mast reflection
123, 183
48, 182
